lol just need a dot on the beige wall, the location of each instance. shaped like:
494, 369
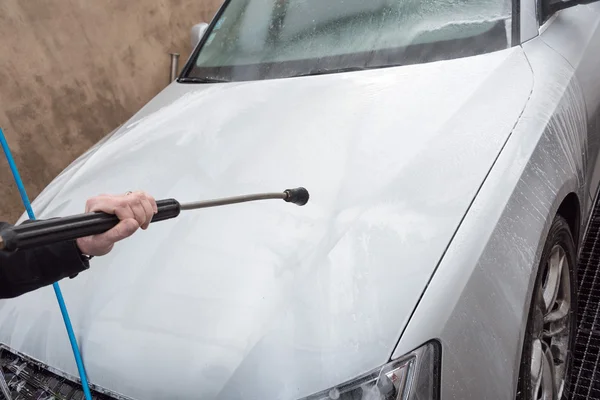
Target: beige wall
73, 70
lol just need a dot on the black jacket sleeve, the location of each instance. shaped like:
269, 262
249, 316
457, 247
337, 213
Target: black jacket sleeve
23, 271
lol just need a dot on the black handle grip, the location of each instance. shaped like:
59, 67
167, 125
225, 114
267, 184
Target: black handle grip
40, 233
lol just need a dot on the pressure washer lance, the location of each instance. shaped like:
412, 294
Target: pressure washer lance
40, 233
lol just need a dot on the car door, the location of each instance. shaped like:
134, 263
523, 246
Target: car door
575, 34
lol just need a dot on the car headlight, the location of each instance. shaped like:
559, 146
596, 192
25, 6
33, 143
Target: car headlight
413, 377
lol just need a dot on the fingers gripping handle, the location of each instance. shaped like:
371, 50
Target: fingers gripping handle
40, 233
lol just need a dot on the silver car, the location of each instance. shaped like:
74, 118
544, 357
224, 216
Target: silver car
451, 152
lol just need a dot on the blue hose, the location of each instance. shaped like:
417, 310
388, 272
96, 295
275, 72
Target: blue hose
57, 291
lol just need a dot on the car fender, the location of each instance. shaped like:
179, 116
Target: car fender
477, 302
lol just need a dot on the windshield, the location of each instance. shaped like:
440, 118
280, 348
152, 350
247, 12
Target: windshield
264, 39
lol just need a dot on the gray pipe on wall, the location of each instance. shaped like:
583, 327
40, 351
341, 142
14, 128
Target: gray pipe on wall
174, 66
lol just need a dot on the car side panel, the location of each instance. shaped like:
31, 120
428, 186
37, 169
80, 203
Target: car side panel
478, 300
575, 34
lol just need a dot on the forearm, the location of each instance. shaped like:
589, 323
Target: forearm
25, 270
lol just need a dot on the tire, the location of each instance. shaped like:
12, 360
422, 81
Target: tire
543, 352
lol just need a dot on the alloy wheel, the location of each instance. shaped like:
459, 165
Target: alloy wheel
551, 333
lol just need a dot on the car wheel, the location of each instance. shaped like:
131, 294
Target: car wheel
549, 338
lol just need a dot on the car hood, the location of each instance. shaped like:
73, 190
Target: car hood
269, 300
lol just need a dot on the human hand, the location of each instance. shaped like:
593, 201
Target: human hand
134, 209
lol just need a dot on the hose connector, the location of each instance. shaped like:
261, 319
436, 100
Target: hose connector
298, 196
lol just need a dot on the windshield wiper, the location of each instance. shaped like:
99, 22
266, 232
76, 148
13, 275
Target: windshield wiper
325, 71
193, 79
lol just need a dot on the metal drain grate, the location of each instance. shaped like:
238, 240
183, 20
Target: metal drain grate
585, 380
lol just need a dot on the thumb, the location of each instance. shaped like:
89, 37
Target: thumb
122, 230
99, 245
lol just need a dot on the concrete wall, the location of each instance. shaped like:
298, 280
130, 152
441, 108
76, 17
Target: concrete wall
73, 70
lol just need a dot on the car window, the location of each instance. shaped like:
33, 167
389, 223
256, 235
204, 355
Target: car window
261, 39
